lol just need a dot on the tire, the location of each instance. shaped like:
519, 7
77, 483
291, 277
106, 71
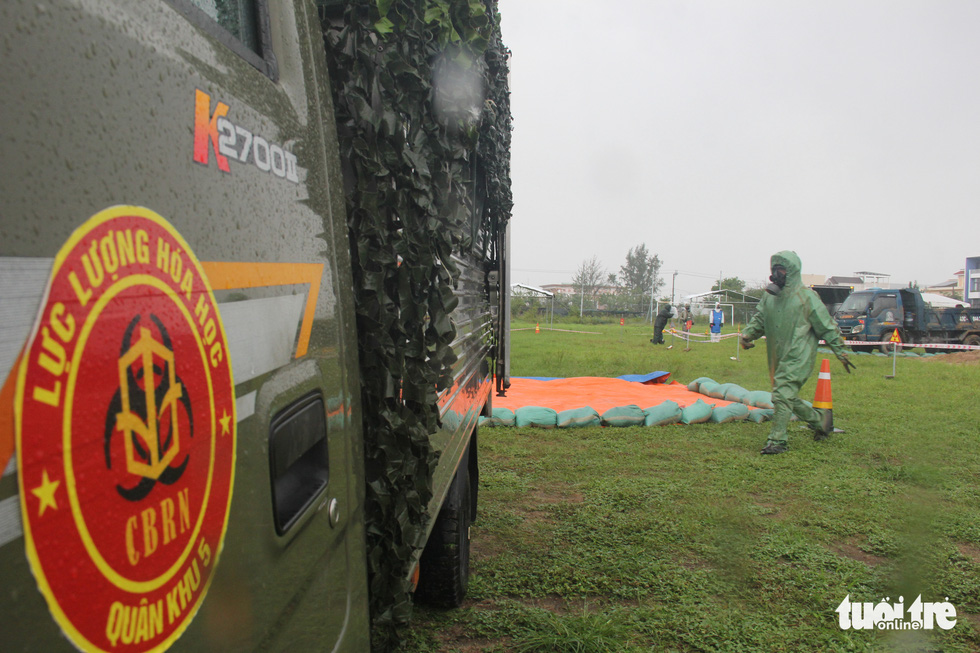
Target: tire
862, 347
886, 346
973, 340
444, 570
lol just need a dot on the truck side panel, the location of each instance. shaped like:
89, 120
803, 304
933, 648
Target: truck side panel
155, 104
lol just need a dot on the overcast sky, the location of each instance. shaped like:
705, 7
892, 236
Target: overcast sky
720, 132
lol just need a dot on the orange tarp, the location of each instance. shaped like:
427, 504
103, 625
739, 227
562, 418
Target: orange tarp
598, 392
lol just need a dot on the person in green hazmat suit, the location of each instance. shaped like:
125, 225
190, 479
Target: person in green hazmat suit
793, 319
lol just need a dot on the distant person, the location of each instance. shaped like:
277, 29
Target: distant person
658, 325
793, 320
717, 319
686, 317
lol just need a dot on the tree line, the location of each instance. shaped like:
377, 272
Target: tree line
635, 289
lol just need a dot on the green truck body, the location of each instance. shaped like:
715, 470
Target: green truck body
874, 315
184, 124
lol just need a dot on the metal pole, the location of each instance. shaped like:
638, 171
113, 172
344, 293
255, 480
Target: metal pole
894, 358
653, 288
673, 283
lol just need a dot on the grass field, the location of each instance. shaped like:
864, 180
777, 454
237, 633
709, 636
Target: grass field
685, 538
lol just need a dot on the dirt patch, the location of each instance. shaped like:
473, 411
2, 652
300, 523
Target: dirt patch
877, 460
970, 551
454, 639
974, 619
763, 507
695, 564
554, 496
852, 550
484, 545
959, 358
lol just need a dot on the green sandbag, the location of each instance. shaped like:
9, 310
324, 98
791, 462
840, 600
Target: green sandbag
574, 417
759, 415
760, 399
631, 415
715, 390
668, 412
538, 416
709, 387
729, 413
737, 393
696, 413
695, 385
504, 416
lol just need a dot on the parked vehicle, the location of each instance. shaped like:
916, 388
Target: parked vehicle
182, 456
874, 315
832, 296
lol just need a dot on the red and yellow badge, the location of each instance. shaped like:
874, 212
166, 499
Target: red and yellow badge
125, 429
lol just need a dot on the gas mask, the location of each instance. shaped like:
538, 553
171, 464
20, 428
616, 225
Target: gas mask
778, 280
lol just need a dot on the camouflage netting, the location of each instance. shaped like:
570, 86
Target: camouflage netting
423, 121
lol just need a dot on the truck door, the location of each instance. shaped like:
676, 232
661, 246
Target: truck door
208, 114
911, 310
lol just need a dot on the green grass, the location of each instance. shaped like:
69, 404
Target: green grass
686, 539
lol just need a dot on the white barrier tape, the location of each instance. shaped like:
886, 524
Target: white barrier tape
592, 333
681, 334
908, 345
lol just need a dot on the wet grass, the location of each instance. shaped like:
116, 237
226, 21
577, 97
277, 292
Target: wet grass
686, 539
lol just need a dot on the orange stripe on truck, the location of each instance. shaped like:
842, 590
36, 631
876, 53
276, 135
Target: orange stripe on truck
229, 275
7, 416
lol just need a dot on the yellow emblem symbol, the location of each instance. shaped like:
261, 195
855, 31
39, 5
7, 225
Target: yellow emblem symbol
159, 454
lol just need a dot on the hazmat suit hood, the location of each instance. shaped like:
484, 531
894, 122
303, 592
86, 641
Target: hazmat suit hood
793, 265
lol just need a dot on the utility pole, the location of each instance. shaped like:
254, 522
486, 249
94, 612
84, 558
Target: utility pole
653, 288
672, 284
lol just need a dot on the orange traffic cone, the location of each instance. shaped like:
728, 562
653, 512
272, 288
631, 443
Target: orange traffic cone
823, 399
537, 328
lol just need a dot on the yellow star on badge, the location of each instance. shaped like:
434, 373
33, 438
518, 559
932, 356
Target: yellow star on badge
225, 422
45, 492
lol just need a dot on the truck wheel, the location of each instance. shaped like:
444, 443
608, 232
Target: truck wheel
886, 345
444, 570
973, 340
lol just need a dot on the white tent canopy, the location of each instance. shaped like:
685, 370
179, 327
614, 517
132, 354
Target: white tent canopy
941, 300
534, 289
538, 291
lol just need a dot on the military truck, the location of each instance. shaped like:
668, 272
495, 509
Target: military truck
832, 296
874, 315
189, 311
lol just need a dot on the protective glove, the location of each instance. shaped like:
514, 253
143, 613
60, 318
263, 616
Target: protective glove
746, 344
846, 362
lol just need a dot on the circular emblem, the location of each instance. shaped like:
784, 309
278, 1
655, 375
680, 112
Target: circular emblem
125, 427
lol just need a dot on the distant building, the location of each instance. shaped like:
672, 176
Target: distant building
951, 287
570, 289
856, 282
814, 279
874, 279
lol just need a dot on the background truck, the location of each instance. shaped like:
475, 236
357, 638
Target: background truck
873, 315
251, 254
832, 296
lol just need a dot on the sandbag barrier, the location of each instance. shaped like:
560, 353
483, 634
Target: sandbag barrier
755, 406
